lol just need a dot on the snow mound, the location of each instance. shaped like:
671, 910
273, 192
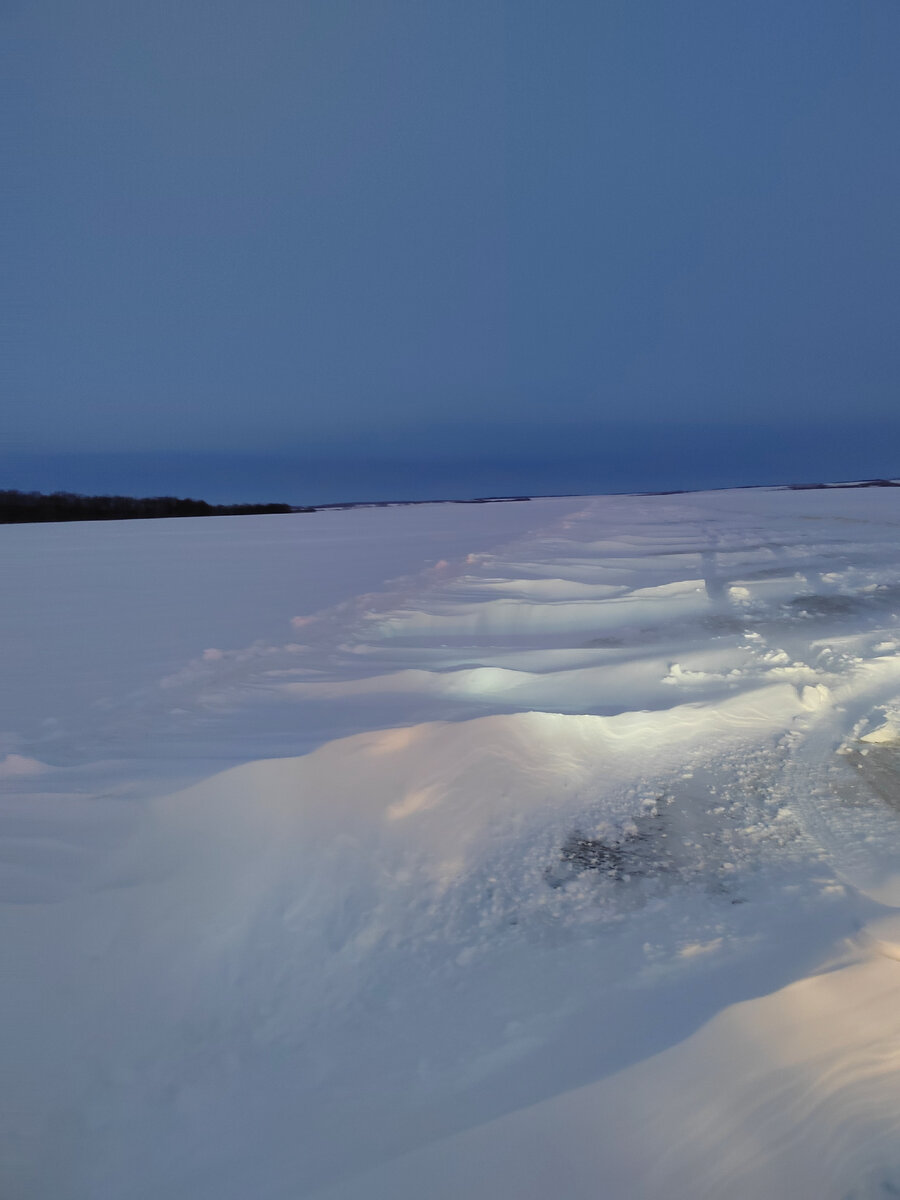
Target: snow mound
756, 1103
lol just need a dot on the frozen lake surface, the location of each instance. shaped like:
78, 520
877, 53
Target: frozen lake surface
528, 850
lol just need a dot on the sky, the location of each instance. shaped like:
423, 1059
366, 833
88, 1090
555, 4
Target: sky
416, 232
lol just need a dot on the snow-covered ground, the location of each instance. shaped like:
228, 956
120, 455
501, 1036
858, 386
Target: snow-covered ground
524, 850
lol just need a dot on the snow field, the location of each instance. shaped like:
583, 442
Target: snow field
565, 860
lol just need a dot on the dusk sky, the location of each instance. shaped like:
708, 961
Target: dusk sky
423, 228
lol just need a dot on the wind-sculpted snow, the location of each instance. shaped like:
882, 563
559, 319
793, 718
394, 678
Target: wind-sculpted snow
795, 1094
492, 873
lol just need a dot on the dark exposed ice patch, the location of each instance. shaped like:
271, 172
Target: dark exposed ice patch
633, 850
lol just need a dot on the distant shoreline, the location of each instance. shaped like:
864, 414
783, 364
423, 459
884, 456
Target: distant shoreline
744, 487
31, 508
24, 508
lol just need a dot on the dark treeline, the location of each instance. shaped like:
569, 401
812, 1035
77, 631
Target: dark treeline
19, 507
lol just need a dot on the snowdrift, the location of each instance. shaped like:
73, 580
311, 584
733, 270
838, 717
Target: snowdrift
558, 859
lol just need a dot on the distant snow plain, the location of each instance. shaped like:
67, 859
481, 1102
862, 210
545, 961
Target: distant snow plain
516, 850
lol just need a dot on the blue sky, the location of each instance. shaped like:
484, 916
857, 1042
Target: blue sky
405, 228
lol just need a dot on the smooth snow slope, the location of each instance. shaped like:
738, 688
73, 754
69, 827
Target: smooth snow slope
563, 862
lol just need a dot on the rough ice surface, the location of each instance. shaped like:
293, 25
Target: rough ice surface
529, 850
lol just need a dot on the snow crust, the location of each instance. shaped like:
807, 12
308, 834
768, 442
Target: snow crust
511, 850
